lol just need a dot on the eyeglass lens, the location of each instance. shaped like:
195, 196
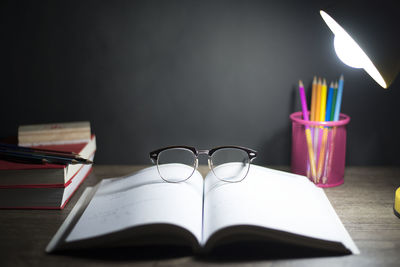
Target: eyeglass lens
230, 164
176, 157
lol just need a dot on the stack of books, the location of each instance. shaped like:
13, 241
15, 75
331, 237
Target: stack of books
47, 185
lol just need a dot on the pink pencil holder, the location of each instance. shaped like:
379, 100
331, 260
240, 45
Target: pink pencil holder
328, 148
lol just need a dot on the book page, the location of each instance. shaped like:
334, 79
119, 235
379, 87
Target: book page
139, 199
275, 200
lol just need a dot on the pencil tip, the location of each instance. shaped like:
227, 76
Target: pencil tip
315, 79
301, 83
341, 77
324, 82
319, 79
331, 84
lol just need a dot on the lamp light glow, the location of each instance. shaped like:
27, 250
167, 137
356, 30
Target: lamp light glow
350, 52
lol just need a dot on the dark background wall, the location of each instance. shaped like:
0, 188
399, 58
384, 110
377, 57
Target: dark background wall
203, 73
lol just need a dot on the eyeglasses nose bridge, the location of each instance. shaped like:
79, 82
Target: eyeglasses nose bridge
203, 152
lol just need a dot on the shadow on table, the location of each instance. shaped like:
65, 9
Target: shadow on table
255, 251
229, 253
131, 253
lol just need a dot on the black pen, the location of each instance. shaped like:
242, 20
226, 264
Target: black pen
40, 158
37, 150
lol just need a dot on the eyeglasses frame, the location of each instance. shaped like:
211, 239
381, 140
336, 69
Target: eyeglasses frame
154, 157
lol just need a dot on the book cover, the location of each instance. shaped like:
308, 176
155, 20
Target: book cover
14, 174
42, 197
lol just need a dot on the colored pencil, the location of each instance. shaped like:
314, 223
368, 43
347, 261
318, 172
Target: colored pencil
322, 145
322, 155
323, 101
328, 118
307, 130
339, 98
324, 177
313, 111
317, 140
318, 101
329, 103
336, 118
313, 98
334, 98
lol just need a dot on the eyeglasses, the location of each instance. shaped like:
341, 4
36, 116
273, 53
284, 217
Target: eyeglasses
228, 163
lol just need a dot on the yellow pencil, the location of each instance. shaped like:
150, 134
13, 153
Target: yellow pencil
307, 129
317, 117
313, 98
321, 155
330, 155
323, 101
311, 154
313, 109
321, 159
318, 101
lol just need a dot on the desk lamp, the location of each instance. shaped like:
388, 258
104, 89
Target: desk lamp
365, 37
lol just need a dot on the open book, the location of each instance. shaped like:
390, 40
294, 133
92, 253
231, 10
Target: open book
142, 209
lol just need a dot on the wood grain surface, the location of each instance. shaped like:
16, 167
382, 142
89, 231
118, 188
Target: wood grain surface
364, 203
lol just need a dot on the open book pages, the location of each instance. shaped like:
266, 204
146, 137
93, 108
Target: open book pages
267, 204
143, 198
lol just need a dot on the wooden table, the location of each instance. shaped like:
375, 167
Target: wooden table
364, 203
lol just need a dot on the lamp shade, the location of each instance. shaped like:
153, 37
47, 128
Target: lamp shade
371, 30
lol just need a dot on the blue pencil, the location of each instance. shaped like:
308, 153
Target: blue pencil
339, 99
331, 148
329, 103
328, 116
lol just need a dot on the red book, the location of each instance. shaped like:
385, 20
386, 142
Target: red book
14, 174
44, 186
